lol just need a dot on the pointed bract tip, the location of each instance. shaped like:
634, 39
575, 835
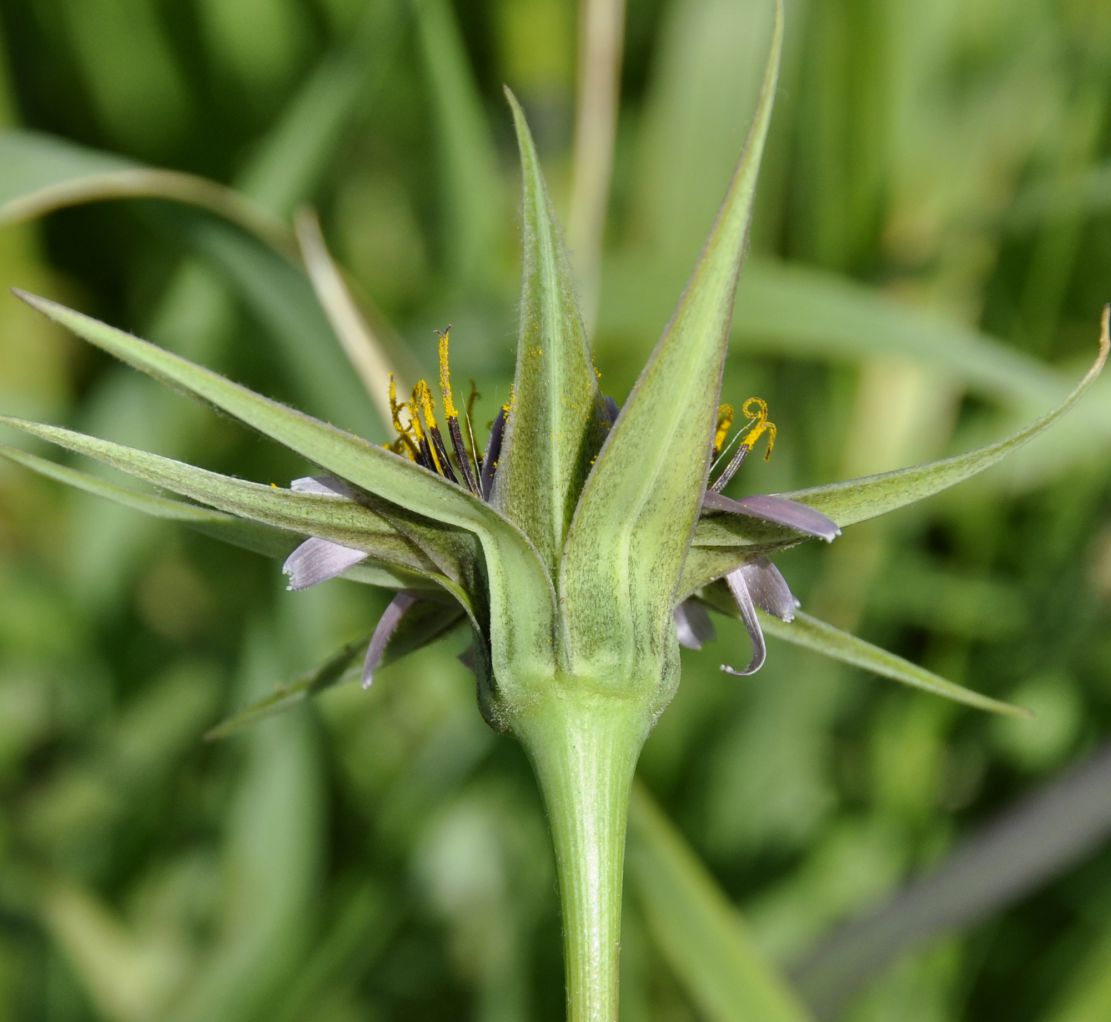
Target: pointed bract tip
1104, 347
519, 120
44, 305
511, 99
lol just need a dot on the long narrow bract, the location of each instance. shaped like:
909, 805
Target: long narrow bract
633, 524
521, 597
557, 418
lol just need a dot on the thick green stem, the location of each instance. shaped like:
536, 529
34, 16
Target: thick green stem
584, 747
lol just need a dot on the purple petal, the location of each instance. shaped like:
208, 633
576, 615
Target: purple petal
383, 632
739, 588
768, 588
317, 560
779, 511
692, 624
329, 486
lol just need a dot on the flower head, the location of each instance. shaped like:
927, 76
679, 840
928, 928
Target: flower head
754, 583
582, 543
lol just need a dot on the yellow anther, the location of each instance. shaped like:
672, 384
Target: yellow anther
422, 404
396, 408
725, 424
755, 409
445, 376
404, 429
402, 446
412, 406
422, 399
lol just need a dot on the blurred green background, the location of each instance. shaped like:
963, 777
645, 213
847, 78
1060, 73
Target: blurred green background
931, 252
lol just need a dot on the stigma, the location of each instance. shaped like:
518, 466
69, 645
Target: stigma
421, 440
757, 426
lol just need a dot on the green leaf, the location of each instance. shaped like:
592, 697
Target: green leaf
300, 150
278, 855
147, 503
197, 315
698, 931
810, 633
455, 552
521, 598
557, 421
42, 174
472, 214
1039, 839
425, 622
307, 514
253, 250
790, 310
860, 499
627, 541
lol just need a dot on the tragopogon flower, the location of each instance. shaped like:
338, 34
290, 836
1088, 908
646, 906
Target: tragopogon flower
458, 459
580, 547
581, 540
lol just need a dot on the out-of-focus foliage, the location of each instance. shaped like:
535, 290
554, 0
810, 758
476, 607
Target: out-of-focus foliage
932, 249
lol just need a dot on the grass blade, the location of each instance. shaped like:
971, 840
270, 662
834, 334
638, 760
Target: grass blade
473, 212
697, 929
359, 343
1038, 839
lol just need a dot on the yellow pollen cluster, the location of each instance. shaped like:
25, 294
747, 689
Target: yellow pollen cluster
405, 443
419, 437
755, 409
725, 424
445, 376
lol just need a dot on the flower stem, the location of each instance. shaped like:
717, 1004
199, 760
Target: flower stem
584, 748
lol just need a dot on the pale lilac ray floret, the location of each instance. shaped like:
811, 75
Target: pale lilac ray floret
756, 583
318, 560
